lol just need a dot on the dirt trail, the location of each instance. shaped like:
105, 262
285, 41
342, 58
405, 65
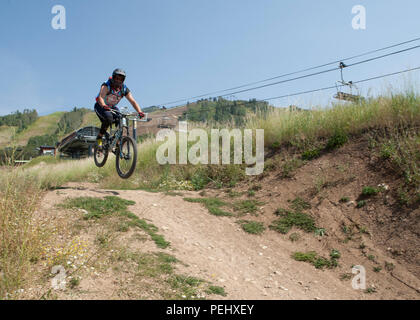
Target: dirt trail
247, 266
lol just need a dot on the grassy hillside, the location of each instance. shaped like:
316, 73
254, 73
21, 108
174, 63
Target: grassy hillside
6, 135
91, 119
43, 125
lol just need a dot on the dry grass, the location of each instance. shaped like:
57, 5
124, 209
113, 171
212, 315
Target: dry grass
304, 128
311, 130
20, 236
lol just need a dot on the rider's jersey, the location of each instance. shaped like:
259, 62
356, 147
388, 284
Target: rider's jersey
114, 96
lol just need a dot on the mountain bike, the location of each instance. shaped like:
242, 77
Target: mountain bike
123, 146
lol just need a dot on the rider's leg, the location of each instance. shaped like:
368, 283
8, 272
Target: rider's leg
106, 118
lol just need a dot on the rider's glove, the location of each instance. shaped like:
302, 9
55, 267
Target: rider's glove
107, 108
141, 115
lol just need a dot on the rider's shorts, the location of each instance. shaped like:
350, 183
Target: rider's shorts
105, 115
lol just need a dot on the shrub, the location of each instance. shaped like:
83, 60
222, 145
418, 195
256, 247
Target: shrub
337, 140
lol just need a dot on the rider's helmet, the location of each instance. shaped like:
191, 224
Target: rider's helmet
118, 77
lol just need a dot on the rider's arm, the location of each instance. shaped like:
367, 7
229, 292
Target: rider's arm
133, 102
102, 95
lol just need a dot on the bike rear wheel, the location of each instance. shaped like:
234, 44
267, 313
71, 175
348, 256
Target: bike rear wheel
126, 157
100, 155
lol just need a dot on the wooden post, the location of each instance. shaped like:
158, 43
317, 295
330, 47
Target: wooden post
135, 130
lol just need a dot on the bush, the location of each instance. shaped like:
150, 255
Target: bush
370, 191
252, 227
337, 140
290, 219
311, 154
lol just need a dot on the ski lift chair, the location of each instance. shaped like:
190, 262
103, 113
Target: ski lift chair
346, 96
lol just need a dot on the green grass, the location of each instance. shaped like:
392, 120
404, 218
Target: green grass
299, 204
234, 194
344, 200
361, 204
370, 290
370, 191
399, 150
311, 154
289, 167
345, 276
256, 187
160, 268
294, 237
74, 282
389, 266
247, 206
111, 205
305, 256
293, 219
148, 265
98, 207
216, 290
212, 204
173, 194
320, 232
317, 261
186, 286
252, 227
335, 254
337, 140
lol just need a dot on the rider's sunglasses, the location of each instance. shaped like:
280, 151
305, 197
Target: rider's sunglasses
119, 78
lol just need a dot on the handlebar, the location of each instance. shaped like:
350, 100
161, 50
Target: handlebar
131, 116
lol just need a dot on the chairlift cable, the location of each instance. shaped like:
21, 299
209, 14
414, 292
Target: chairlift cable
307, 69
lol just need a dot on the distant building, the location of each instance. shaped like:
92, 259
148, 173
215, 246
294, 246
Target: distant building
47, 150
79, 144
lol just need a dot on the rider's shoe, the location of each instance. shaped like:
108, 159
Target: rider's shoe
99, 142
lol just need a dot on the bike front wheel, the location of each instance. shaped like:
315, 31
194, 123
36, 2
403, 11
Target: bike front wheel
126, 157
100, 155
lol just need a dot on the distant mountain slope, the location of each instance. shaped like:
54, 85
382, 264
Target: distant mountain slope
6, 134
91, 119
43, 125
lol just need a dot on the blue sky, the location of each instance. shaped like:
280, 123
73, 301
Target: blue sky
173, 49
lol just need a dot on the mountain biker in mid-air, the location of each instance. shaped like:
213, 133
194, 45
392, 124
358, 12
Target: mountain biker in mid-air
109, 96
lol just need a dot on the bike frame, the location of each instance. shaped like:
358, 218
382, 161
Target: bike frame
123, 123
